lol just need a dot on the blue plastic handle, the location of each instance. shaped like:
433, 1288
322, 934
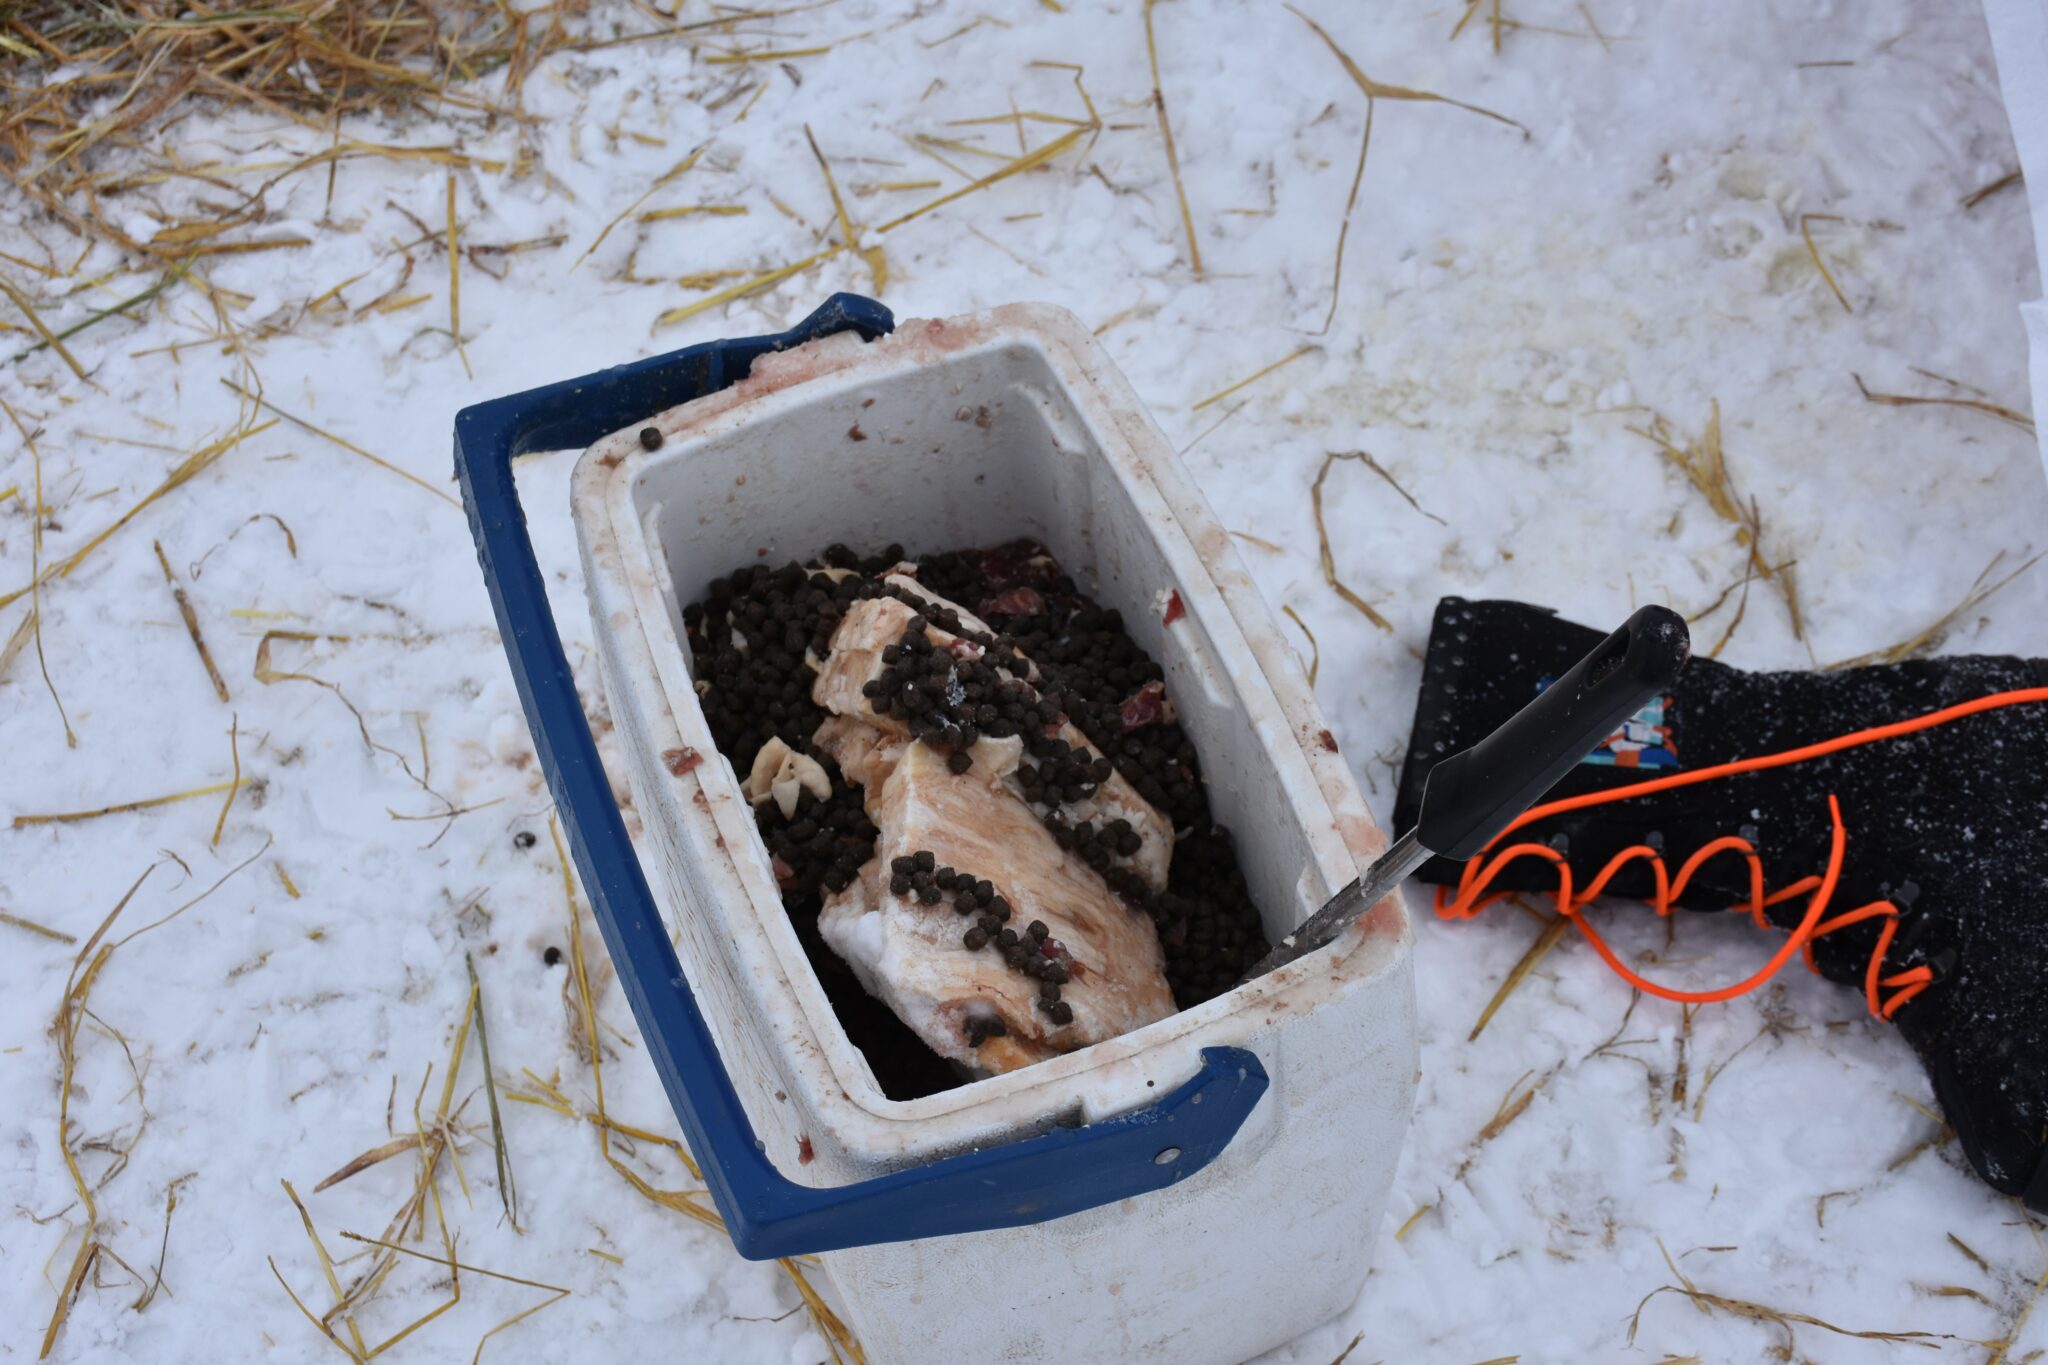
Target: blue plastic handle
1063, 1171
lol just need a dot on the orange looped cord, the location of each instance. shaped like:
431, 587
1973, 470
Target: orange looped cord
1472, 895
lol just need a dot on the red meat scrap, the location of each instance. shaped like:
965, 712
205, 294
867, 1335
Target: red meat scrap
1146, 706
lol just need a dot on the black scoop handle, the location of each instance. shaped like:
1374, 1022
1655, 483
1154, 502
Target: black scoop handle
1473, 795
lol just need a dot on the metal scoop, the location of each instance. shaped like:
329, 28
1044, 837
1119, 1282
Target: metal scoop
1473, 795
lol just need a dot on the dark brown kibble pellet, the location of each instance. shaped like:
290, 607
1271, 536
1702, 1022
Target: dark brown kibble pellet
926, 860
524, 839
959, 762
650, 438
1038, 930
903, 863
553, 956
975, 938
930, 895
1061, 1012
899, 885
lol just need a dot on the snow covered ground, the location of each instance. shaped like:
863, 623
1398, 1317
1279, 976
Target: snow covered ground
1515, 300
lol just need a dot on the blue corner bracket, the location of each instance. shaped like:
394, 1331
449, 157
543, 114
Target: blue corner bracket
1032, 1180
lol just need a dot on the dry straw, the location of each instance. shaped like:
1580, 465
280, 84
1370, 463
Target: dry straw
1925, 642
1979, 195
184, 602
1806, 220
431, 1140
1374, 92
1553, 931
184, 472
1180, 191
1252, 378
312, 62
1315, 660
847, 240
1900, 400
1704, 464
1785, 1320
72, 1012
1329, 559
693, 1204
34, 928
33, 622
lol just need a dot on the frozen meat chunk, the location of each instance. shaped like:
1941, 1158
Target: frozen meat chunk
872, 625
911, 952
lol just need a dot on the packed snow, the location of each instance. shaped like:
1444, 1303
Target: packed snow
1520, 300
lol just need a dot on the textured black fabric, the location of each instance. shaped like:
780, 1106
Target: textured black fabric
1957, 814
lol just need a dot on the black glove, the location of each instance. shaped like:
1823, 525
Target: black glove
1947, 823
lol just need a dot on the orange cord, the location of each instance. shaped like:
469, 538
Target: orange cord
1472, 896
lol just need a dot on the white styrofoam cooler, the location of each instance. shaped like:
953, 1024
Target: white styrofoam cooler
972, 431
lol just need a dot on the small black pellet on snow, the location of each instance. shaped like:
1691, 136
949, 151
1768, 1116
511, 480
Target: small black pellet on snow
524, 839
552, 957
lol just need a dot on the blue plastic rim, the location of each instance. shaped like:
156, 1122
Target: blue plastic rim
1032, 1180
